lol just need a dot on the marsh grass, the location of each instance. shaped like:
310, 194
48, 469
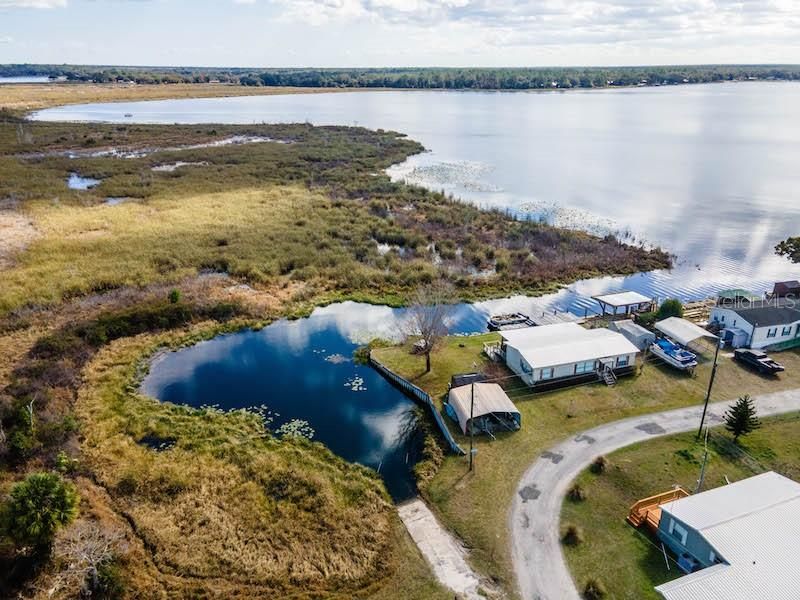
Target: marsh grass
313, 210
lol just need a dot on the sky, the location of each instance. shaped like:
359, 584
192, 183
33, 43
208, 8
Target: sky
386, 33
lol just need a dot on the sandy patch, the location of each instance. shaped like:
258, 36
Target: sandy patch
16, 232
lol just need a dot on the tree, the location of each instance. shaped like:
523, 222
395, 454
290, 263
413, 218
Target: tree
38, 507
671, 307
740, 418
790, 249
428, 315
85, 549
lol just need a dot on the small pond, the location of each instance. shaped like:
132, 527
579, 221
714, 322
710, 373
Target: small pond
76, 182
304, 369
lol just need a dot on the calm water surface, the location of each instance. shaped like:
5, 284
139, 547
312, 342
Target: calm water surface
708, 172
31, 79
302, 370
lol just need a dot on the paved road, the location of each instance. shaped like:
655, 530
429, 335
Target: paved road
539, 563
445, 555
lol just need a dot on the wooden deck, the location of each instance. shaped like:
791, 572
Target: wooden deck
648, 510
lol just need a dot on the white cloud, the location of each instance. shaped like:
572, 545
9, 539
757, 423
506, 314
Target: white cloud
33, 3
6, 39
538, 23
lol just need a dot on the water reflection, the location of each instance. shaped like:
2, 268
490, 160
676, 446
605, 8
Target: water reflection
302, 370
708, 171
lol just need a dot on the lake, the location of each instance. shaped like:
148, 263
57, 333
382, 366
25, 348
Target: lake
708, 172
25, 79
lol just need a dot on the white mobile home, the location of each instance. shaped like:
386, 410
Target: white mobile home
760, 325
549, 353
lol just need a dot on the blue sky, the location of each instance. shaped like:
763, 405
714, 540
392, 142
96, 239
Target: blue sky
330, 33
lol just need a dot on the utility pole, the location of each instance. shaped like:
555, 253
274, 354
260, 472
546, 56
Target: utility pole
703, 467
471, 425
710, 385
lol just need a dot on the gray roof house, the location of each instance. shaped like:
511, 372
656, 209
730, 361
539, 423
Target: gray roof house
768, 324
740, 541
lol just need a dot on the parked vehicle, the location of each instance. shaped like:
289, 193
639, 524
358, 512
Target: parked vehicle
673, 354
758, 360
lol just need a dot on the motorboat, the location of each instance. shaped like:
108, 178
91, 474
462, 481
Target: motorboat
673, 354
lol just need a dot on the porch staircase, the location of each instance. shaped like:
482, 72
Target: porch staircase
608, 376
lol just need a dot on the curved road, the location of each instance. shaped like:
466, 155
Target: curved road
539, 565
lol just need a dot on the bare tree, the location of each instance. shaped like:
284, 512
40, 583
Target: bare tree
83, 549
431, 308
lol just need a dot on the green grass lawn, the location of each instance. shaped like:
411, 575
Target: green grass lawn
475, 505
624, 559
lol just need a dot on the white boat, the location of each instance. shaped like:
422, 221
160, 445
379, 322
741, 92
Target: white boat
673, 354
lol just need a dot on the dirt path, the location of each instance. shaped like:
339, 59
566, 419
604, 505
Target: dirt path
541, 572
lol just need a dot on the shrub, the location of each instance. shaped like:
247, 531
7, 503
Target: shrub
594, 590
174, 296
669, 308
576, 493
599, 465
646, 319
38, 507
572, 536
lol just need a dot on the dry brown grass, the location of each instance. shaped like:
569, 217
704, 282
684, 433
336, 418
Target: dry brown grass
16, 232
229, 509
28, 97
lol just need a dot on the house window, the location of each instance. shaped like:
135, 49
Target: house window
584, 367
786, 331
771, 333
678, 532
623, 361
546, 373
526, 368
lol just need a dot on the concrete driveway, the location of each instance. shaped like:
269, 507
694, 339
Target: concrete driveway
539, 565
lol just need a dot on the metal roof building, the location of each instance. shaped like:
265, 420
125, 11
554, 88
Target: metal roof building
566, 343
630, 301
490, 407
682, 331
753, 527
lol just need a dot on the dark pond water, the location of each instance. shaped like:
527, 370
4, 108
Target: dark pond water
303, 370
709, 172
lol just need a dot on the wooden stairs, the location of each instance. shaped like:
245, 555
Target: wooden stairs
608, 375
648, 510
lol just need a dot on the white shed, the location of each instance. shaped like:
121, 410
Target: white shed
636, 334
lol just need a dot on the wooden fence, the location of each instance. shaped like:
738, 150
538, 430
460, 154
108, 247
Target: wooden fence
420, 396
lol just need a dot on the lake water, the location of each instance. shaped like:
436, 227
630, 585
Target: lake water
32, 79
708, 172
302, 370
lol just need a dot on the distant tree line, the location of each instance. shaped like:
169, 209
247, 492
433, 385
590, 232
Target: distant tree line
417, 78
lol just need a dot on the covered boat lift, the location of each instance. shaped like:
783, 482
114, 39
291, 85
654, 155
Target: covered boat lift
630, 302
682, 331
490, 407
